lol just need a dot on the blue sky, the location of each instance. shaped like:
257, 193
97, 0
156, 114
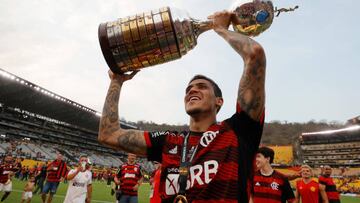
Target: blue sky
312, 58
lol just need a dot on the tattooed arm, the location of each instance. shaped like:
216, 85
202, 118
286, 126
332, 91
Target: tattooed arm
110, 132
251, 93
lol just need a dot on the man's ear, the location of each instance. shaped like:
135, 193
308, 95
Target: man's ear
268, 158
219, 102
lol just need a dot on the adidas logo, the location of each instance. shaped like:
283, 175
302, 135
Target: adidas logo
173, 151
257, 184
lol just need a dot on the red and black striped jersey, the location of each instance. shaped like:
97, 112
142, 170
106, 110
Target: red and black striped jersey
309, 192
5, 170
222, 165
56, 170
330, 189
129, 175
274, 188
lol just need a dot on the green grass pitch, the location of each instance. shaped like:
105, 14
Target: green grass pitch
101, 194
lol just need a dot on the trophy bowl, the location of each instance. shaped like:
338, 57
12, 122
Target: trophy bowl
166, 34
252, 17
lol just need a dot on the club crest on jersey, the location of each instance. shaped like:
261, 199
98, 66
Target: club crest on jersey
274, 186
208, 137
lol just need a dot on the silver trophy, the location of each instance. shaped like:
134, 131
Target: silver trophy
166, 34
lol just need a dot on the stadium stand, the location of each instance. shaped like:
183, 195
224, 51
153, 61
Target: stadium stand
339, 147
36, 123
283, 154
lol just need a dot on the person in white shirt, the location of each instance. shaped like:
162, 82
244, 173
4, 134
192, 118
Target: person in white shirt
80, 183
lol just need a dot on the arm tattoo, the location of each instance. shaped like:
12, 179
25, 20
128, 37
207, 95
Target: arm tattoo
110, 130
251, 94
133, 142
109, 121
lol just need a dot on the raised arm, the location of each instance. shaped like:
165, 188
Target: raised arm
110, 132
72, 175
251, 93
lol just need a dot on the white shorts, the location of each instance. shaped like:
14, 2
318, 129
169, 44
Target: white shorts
27, 195
6, 187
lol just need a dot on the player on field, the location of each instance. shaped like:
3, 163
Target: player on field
56, 170
28, 190
330, 187
307, 189
212, 160
80, 183
129, 177
269, 185
7, 169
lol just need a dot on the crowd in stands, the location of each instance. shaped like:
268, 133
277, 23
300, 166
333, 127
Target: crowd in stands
26, 149
347, 185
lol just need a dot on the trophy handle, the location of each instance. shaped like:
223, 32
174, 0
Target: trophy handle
201, 26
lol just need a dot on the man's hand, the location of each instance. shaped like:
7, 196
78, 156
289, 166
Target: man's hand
136, 187
87, 200
221, 20
122, 77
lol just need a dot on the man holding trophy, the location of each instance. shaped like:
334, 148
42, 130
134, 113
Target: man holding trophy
212, 161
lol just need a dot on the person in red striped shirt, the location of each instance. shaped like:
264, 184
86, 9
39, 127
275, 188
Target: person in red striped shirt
307, 189
155, 183
7, 169
129, 177
56, 170
330, 187
211, 161
269, 185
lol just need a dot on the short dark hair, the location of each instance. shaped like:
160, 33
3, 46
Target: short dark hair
267, 152
217, 89
82, 155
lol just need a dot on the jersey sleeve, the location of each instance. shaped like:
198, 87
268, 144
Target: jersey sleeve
248, 132
287, 194
247, 129
155, 142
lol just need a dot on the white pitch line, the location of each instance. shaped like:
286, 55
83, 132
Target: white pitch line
59, 196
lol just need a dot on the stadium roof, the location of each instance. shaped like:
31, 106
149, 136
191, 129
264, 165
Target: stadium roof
19, 93
355, 120
351, 133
